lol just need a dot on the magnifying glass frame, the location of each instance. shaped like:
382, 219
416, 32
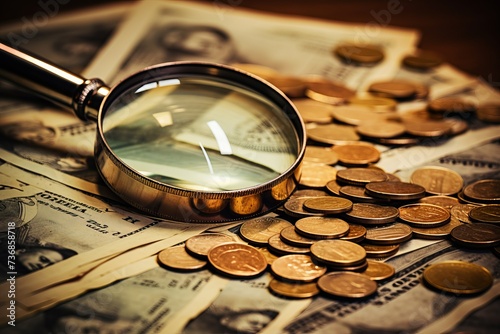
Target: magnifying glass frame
90, 98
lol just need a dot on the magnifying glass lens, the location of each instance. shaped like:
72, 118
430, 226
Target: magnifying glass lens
198, 133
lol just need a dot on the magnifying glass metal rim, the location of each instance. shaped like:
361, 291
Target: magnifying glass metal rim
153, 197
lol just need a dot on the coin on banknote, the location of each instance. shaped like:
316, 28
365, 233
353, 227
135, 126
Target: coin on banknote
379, 271
486, 214
438, 180
279, 246
320, 155
355, 154
322, 227
424, 215
357, 194
358, 53
476, 235
427, 127
294, 207
328, 92
294, 290
290, 236
314, 111
293, 87
443, 201
335, 134
457, 126
395, 190
237, 259
464, 199
200, 244
356, 234
259, 230
372, 214
376, 103
317, 176
484, 191
308, 192
405, 139
347, 285
388, 235
356, 114
297, 268
379, 251
261, 71
328, 204
270, 257
360, 175
338, 252
450, 105
423, 60
178, 258
458, 277
381, 129
489, 112
461, 211
394, 89
334, 187
439, 232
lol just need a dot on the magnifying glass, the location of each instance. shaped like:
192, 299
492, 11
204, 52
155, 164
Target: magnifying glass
186, 141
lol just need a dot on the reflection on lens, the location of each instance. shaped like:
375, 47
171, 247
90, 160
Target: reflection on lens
200, 134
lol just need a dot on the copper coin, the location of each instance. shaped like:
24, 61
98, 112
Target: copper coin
290, 236
320, 155
270, 257
238, 260
347, 285
290, 85
360, 176
259, 230
338, 252
294, 290
294, 207
395, 89
358, 267
379, 271
322, 227
357, 153
439, 232
356, 114
314, 111
278, 246
489, 112
458, 277
334, 134
201, 244
424, 60
438, 180
449, 105
372, 214
258, 70
178, 258
380, 251
328, 92
443, 201
427, 128
395, 190
334, 187
356, 194
297, 268
317, 176
381, 129
461, 212
477, 235
399, 140
328, 204
486, 214
424, 215
484, 191
457, 126
308, 193
356, 234
463, 199
376, 103
389, 235
361, 54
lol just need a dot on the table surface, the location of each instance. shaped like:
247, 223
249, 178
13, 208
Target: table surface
465, 32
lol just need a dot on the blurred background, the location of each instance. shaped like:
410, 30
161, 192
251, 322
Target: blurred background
464, 32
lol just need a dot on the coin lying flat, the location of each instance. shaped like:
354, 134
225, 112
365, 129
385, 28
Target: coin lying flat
259, 230
200, 244
338, 252
489, 112
486, 214
450, 105
379, 271
461, 212
270, 257
297, 268
279, 246
361, 54
178, 258
290, 236
320, 155
322, 227
439, 232
380, 251
334, 134
381, 129
376, 103
443, 201
328, 204
356, 114
438, 180
294, 207
293, 87
334, 187
356, 234
355, 154
388, 235
347, 285
395, 89
294, 290
314, 175
328, 92
423, 60
356, 194
238, 260
372, 214
361, 176
484, 191
477, 235
424, 215
395, 190
458, 277
314, 111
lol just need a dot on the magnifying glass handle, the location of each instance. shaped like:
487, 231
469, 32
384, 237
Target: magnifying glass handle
83, 96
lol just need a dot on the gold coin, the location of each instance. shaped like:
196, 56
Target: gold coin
458, 277
395, 89
294, 290
347, 285
389, 235
486, 214
489, 112
381, 129
200, 244
328, 92
320, 155
237, 260
379, 271
424, 60
338, 252
270, 257
424, 215
308, 193
334, 134
297, 268
360, 176
314, 175
356, 234
322, 227
395, 190
377, 103
259, 230
314, 111
356, 114
334, 187
399, 140
356, 194
372, 214
439, 232
443, 201
484, 191
361, 54
477, 235
427, 128
357, 153
358, 267
294, 207
461, 212
293, 87
450, 105
290, 236
328, 204
278, 246
178, 258
438, 180
380, 251
463, 199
